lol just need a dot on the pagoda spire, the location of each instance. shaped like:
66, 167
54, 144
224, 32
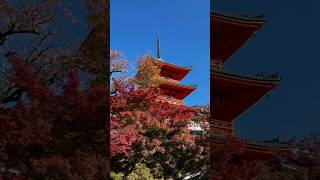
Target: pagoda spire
158, 47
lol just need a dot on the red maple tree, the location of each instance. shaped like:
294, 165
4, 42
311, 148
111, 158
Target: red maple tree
144, 129
52, 132
226, 164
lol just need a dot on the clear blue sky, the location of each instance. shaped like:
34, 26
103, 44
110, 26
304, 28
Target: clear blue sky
289, 44
184, 32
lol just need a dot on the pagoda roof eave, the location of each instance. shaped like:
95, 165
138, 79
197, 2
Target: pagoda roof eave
244, 89
229, 33
261, 19
191, 87
184, 89
188, 68
179, 71
254, 79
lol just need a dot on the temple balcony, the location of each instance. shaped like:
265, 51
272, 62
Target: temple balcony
259, 146
275, 144
221, 128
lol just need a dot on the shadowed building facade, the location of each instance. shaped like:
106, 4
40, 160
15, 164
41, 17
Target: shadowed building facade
233, 93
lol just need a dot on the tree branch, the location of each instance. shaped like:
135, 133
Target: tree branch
11, 31
114, 71
15, 96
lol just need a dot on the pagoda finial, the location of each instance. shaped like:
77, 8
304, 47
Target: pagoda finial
158, 47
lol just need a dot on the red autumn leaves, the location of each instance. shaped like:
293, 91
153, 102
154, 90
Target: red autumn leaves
137, 115
51, 132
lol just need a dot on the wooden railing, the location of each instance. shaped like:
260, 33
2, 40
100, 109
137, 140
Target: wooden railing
216, 64
221, 127
277, 145
256, 143
225, 124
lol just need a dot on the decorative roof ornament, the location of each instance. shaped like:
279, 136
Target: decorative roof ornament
158, 48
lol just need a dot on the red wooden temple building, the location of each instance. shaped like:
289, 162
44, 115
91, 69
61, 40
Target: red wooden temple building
171, 74
173, 91
233, 93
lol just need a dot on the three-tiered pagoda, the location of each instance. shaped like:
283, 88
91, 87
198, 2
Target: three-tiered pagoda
171, 76
233, 93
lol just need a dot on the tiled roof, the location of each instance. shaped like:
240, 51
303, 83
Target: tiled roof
173, 65
180, 85
260, 18
258, 77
